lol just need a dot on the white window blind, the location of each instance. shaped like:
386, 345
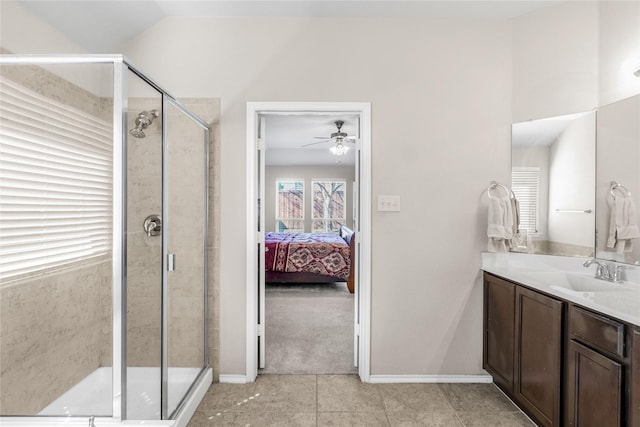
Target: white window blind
524, 183
55, 183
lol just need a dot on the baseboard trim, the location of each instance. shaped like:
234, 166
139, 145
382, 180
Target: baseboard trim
382, 379
233, 379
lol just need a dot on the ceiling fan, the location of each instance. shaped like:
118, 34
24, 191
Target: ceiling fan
339, 138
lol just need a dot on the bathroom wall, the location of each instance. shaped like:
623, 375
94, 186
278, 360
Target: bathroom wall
443, 95
570, 58
432, 121
55, 325
555, 61
306, 173
619, 42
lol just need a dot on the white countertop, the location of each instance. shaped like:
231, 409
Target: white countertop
549, 274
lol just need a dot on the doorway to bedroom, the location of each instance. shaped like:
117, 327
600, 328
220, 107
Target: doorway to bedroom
309, 296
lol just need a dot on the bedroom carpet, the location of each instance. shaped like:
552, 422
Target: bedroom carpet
309, 329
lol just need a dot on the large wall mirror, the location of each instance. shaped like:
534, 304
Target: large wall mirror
618, 181
553, 178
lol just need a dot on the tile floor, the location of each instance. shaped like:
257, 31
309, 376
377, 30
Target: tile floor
343, 400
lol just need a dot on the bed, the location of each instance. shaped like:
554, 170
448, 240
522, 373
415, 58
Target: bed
310, 257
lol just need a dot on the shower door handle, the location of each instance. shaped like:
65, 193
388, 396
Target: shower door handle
171, 262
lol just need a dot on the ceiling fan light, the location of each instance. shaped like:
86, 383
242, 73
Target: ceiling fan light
339, 149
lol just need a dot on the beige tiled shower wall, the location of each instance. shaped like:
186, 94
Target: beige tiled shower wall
55, 326
185, 228
144, 253
54, 331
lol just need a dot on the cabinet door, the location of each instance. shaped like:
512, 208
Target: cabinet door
594, 387
499, 316
538, 360
635, 379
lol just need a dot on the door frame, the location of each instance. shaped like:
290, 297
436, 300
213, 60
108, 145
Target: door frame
363, 235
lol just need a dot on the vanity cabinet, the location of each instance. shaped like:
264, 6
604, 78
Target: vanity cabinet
561, 363
523, 347
634, 412
538, 355
595, 373
499, 331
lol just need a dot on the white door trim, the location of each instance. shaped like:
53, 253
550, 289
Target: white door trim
254, 109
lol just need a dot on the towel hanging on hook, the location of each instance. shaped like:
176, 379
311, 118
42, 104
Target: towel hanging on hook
503, 219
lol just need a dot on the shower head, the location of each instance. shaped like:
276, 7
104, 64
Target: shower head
143, 121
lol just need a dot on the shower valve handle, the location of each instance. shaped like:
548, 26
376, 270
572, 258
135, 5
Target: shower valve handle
152, 225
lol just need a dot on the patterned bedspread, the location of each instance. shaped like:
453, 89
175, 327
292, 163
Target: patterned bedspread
321, 253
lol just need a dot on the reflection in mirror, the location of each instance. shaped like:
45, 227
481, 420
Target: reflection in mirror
553, 178
618, 133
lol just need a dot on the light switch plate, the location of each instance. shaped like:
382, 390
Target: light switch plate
388, 203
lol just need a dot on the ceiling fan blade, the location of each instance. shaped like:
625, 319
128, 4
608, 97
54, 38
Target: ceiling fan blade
322, 137
314, 143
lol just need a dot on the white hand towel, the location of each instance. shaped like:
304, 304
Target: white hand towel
623, 224
500, 224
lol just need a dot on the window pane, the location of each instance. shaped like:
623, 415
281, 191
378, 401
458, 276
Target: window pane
524, 183
289, 226
290, 206
326, 226
328, 205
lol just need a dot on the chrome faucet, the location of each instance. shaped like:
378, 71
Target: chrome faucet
606, 271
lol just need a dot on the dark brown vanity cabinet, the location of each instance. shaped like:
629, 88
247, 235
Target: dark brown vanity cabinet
634, 411
538, 355
595, 370
499, 330
523, 347
561, 363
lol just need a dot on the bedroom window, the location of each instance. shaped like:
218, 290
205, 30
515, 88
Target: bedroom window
524, 183
290, 206
328, 205
55, 183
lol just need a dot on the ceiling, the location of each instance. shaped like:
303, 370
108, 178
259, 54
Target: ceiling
543, 132
101, 26
286, 135
120, 20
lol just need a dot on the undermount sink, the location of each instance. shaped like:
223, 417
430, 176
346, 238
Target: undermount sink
580, 282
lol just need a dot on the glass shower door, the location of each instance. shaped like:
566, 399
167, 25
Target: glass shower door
186, 174
144, 234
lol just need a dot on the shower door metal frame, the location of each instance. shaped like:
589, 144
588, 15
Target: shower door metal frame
119, 237
166, 101
164, 364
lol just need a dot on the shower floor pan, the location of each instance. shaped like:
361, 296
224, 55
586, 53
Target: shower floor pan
93, 395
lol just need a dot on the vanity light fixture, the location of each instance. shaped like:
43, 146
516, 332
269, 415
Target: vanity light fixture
632, 66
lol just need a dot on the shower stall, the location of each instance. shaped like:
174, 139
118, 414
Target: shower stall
103, 246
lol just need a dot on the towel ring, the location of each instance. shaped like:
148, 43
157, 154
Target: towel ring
504, 187
615, 185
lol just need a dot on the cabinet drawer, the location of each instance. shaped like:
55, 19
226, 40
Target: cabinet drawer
597, 331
